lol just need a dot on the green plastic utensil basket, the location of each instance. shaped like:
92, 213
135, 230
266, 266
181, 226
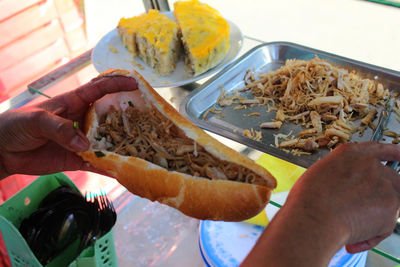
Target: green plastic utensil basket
25, 202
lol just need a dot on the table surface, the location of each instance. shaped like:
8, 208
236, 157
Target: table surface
148, 233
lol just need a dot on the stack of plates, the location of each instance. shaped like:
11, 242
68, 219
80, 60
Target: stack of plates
224, 244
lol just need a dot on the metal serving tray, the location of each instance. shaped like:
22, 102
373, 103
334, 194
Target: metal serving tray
268, 57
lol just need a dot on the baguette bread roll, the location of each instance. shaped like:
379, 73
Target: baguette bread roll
156, 153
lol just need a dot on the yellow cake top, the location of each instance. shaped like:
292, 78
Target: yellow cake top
202, 26
157, 28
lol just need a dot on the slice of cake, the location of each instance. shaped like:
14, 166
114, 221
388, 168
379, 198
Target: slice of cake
205, 35
154, 38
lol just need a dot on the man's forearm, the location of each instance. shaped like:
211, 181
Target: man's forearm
3, 172
4, 139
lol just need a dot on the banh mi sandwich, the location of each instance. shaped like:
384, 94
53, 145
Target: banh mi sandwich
156, 153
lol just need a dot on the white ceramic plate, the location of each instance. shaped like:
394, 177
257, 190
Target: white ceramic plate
109, 53
226, 244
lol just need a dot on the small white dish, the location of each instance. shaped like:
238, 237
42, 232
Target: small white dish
226, 244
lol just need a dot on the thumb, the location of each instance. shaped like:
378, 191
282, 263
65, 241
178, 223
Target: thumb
365, 245
61, 131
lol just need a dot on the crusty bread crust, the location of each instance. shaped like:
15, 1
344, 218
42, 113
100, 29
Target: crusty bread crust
196, 197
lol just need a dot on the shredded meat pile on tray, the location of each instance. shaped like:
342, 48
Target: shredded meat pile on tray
150, 136
323, 98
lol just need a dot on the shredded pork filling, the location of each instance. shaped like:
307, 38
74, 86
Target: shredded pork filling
322, 97
152, 137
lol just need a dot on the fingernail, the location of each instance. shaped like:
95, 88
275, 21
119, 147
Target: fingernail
59, 110
364, 246
79, 144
